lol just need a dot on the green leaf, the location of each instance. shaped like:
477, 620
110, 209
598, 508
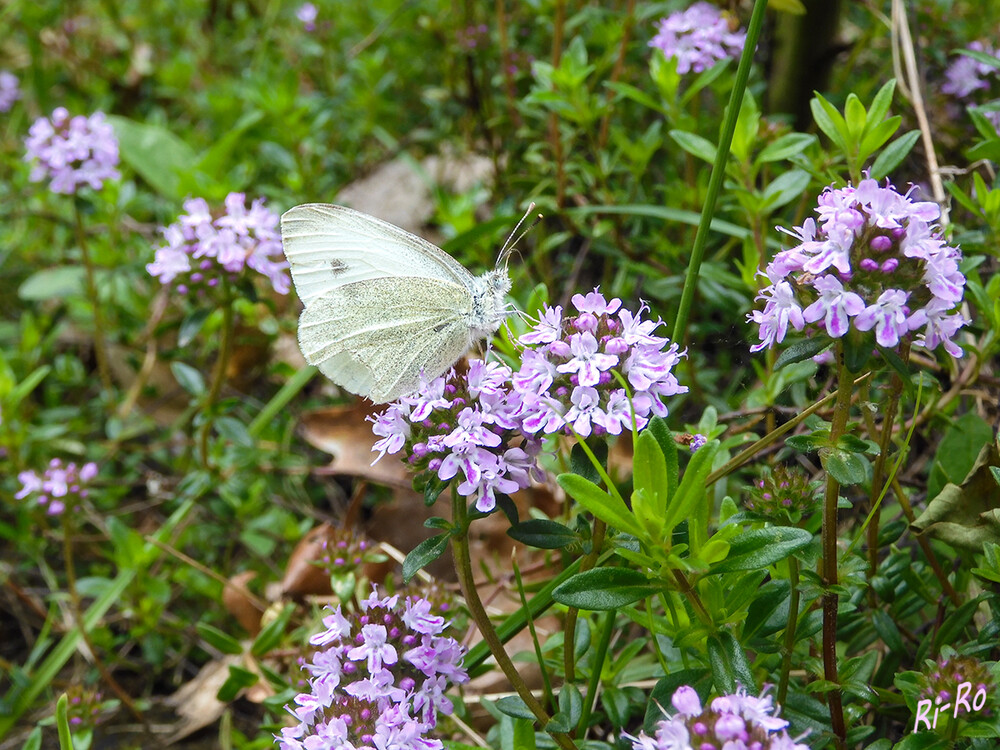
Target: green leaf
270, 636
887, 630
191, 325
877, 136
189, 378
239, 679
610, 509
424, 553
156, 154
844, 466
219, 640
580, 463
62, 723
515, 707
759, 548
855, 117
59, 283
649, 473
893, 155
958, 451
692, 487
34, 741
542, 533
785, 188
830, 121
694, 144
786, 146
668, 446
801, 350
26, 386
879, 107
602, 589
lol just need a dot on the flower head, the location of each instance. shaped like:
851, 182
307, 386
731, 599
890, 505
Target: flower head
204, 246
485, 428
784, 494
378, 679
72, 151
10, 90
59, 488
966, 76
698, 38
875, 260
731, 722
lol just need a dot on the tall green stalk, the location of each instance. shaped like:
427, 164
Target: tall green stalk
466, 579
100, 343
718, 169
841, 412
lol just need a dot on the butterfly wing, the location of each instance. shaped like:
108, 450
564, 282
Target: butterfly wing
374, 337
329, 246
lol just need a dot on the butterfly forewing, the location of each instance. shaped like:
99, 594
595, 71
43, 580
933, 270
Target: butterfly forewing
329, 246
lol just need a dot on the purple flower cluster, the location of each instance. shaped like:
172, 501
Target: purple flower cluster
489, 423
471, 37
876, 261
72, 151
59, 487
201, 247
698, 37
965, 76
730, 722
377, 680
941, 679
10, 90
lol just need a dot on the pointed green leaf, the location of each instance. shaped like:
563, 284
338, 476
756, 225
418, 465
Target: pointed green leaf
830, 121
217, 639
423, 554
692, 486
650, 472
892, 156
270, 636
879, 107
801, 350
855, 116
658, 427
542, 533
604, 506
602, 589
695, 145
759, 548
785, 146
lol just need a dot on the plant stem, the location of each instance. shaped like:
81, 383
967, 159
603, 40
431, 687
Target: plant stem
878, 471
218, 376
793, 619
100, 344
569, 626
718, 169
74, 599
596, 667
841, 411
463, 566
746, 454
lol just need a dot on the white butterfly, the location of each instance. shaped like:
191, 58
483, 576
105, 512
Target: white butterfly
383, 306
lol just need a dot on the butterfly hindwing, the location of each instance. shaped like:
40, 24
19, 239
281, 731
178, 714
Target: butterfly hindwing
377, 335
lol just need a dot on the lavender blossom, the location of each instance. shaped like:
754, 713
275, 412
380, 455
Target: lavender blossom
202, 248
876, 261
10, 90
58, 488
377, 679
72, 152
965, 76
485, 428
307, 14
698, 38
732, 722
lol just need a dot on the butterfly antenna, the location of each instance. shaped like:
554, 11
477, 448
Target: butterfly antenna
512, 240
